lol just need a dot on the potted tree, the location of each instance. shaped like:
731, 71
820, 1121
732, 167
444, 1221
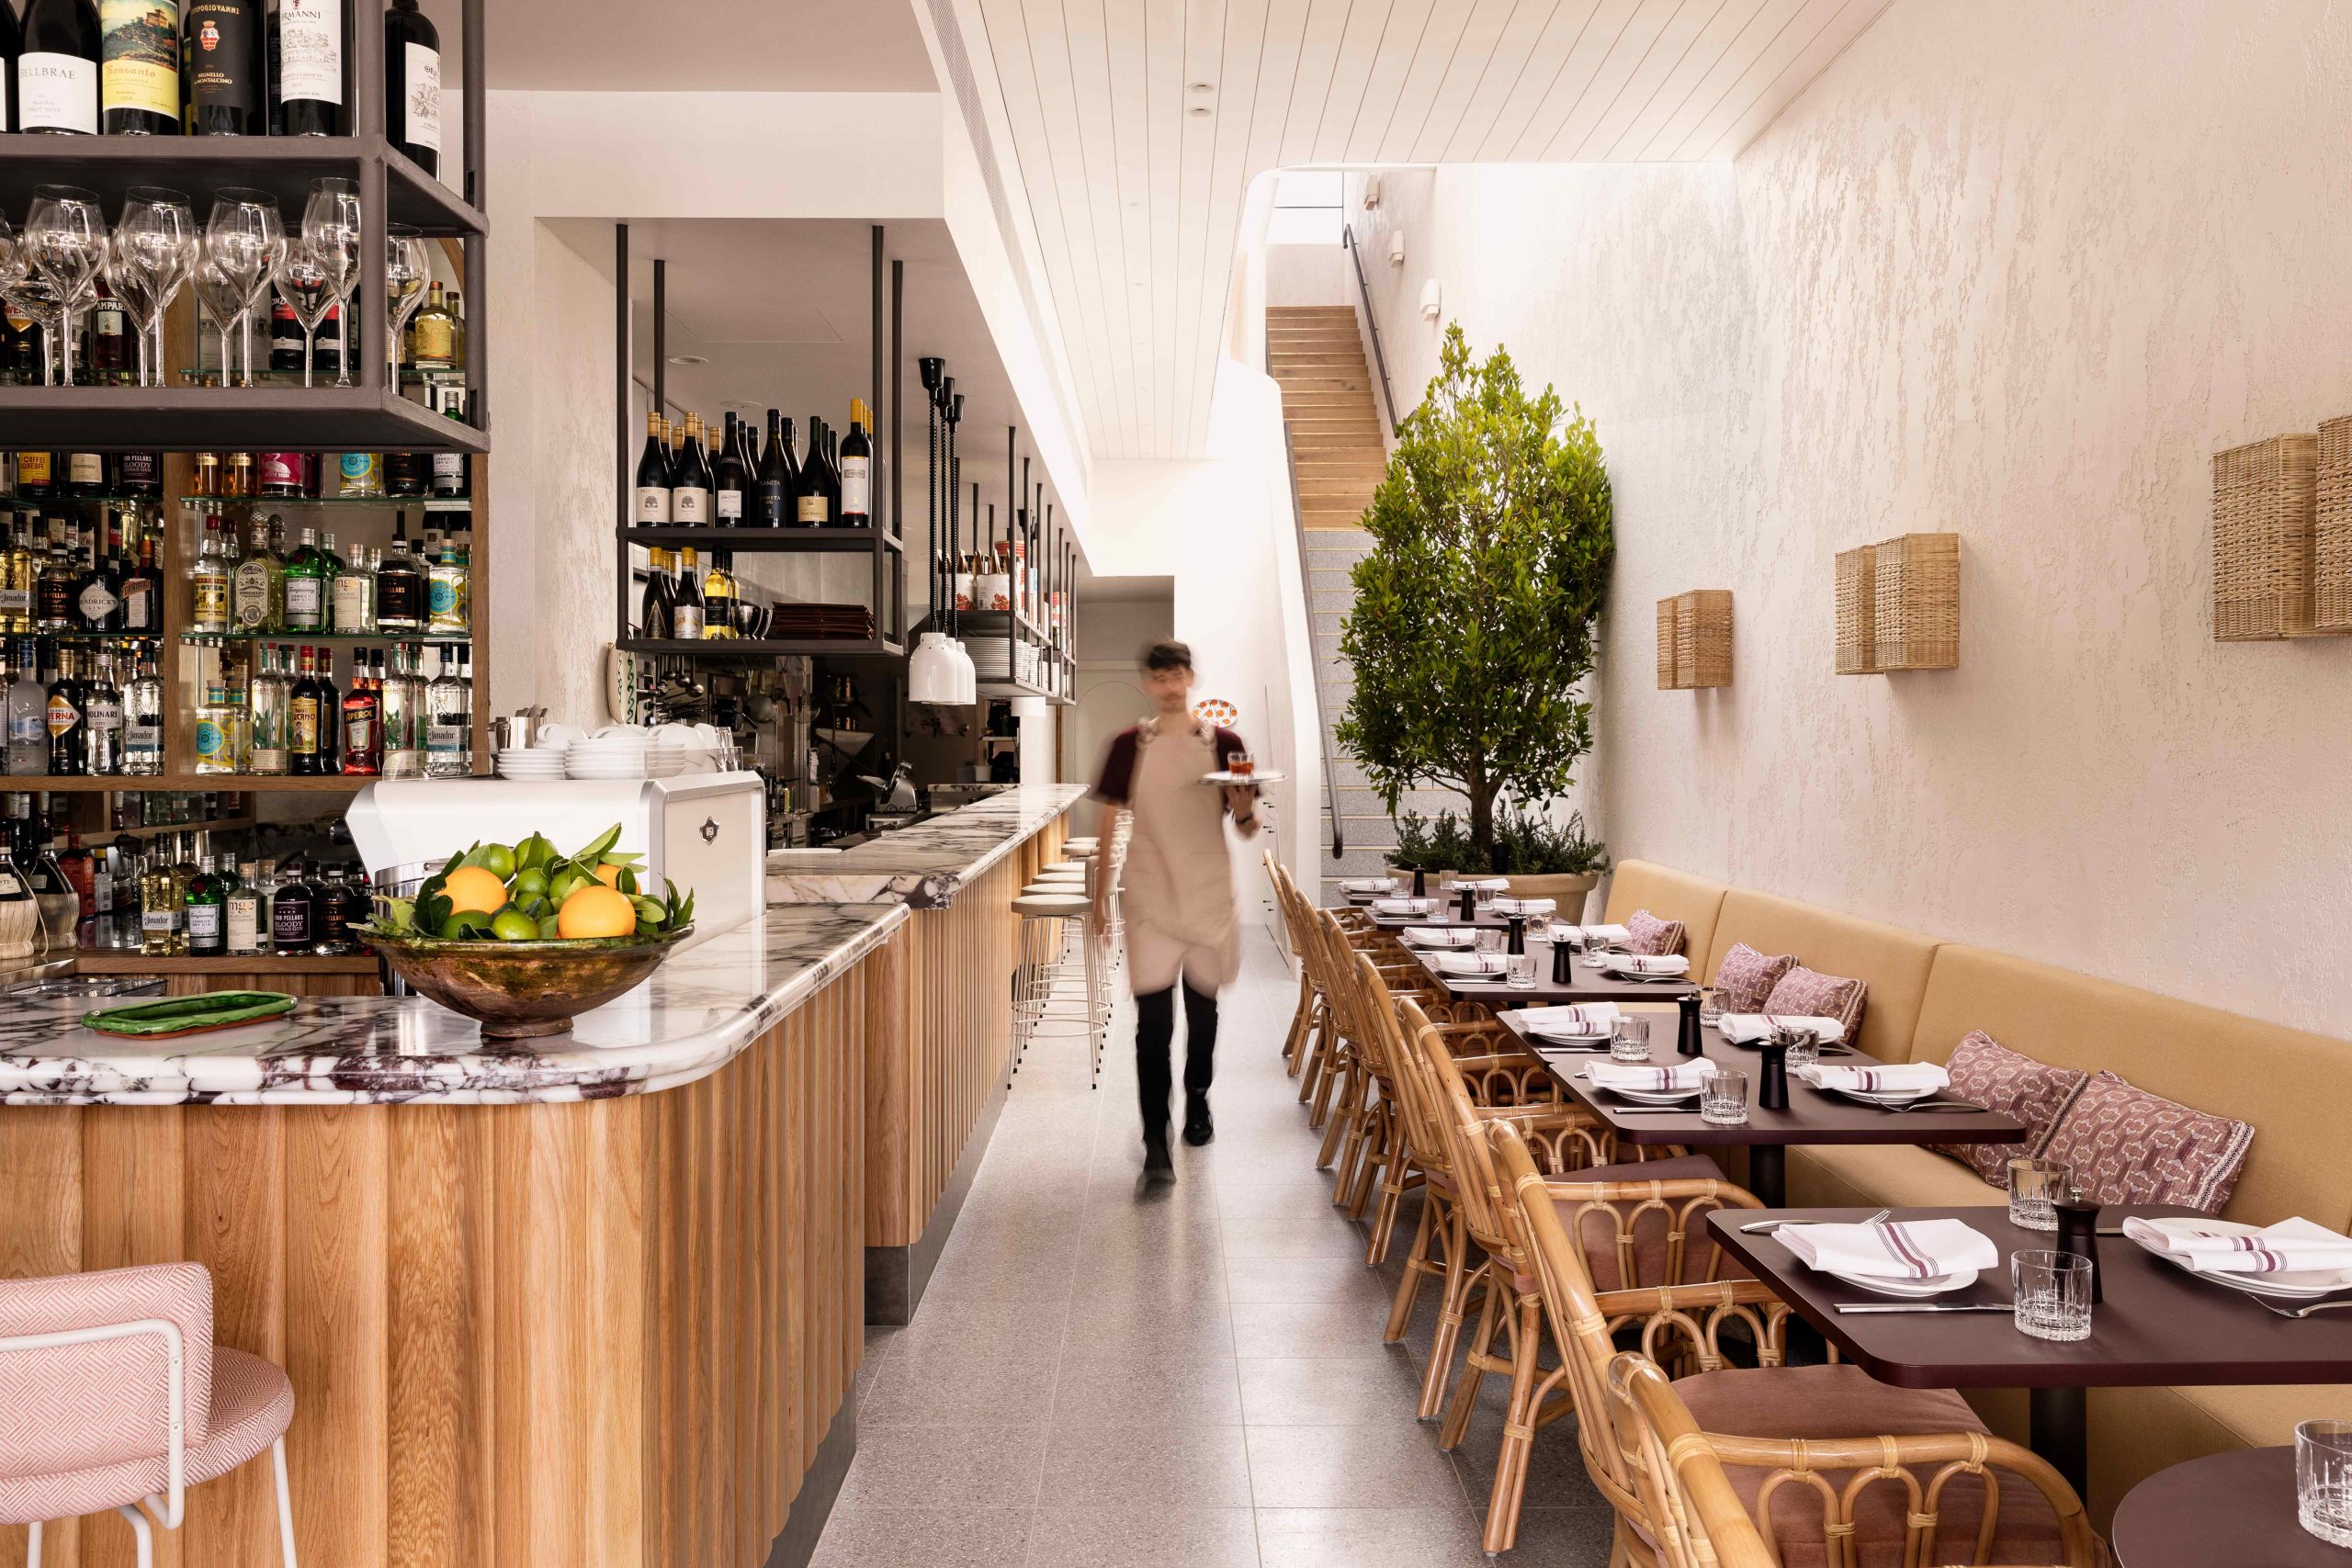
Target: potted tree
1474, 623
1546, 858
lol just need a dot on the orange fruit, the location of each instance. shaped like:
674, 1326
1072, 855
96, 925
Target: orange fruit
610, 876
475, 887
595, 911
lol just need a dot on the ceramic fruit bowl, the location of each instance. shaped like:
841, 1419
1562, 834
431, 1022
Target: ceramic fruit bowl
521, 990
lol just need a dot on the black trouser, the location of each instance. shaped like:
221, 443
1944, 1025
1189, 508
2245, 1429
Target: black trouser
1155, 1028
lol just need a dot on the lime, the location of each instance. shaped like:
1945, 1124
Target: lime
535, 906
534, 852
650, 911
466, 923
497, 859
530, 882
565, 884
514, 925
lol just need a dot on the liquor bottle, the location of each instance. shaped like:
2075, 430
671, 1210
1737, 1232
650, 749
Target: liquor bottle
57, 70
163, 929
280, 474
53, 593
413, 84
341, 905
352, 599
210, 581
268, 701
237, 473
98, 592
243, 921
771, 492
307, 78
143, 722
85, 472
257, 594
362, 475
293, 903
687, 608
435, 334
719, 595
139, 473
457, 330
363, 721
403, 705
690, 480
403, 596
448, 744
405, 474
730, 481
27, 714
303, 703
103, 712
813, 497
18, 571
142, 591
306, 583
67, 717
207, 900
653, 477
220, 731
856, 471
654, 618
105, 355
449, 598
223, 82
36, 475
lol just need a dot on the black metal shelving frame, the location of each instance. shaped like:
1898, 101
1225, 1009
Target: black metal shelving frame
370, 416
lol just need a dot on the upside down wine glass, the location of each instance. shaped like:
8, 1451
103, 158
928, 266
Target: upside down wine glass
66, 235
405, 268
245, 240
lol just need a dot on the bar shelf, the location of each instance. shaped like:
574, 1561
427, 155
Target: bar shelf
228, 419
198, 165
339, 639
767, 648
762, 541
336, 503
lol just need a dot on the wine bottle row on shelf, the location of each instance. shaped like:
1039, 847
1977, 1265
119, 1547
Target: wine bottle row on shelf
213, 68
680, 602
267, 475
427, 593
692, 477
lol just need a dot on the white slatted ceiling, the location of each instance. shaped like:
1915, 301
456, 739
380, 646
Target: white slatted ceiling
1135, 201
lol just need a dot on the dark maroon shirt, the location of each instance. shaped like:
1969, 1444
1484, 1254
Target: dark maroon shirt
1119, 764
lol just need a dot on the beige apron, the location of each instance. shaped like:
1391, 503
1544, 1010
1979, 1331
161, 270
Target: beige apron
1176, 890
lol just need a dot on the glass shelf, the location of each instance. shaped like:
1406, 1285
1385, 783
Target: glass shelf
52, 503
211, 375
354, 503
215, 639
84, 637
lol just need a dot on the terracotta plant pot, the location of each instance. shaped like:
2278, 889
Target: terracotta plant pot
1569, 888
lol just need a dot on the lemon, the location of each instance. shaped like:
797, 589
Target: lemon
514, 925
596, 911
475, 887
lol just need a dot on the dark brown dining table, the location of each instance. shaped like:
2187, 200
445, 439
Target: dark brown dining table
2157, 1325
2234, 1508
1588, 984
1813, 1116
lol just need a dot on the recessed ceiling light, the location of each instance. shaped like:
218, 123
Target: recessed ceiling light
1198, 110
688, 359
1203, 88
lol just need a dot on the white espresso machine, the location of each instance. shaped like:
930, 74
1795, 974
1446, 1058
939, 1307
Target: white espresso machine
704, 831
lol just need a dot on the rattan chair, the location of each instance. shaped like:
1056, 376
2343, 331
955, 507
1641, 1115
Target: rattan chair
1835, 1469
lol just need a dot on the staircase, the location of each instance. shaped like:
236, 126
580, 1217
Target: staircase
1314, 353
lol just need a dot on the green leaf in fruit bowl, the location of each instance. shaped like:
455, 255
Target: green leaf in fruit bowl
399, 914
605, 841
464, 925
548, 929
534, 854
626, 881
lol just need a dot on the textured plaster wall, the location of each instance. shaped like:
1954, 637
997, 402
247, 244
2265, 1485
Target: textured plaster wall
2014, 270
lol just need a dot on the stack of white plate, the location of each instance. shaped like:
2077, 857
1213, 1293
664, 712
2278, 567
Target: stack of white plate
632, 756
536, 766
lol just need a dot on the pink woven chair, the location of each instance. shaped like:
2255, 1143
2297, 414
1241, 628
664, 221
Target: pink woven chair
112, 1395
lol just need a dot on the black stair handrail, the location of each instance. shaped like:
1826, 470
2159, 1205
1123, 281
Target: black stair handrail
1370, 320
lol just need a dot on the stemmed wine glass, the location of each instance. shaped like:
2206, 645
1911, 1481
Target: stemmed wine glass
331, 236
244, 240
156, 248
405, 269
65, 236
307, 283
223, 299
25, 292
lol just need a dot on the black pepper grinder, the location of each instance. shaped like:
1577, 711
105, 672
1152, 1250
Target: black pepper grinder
1772, 1089
1468, 911
1687, 1043
1421, 882
1516, 941
2079, 1233
1562, 956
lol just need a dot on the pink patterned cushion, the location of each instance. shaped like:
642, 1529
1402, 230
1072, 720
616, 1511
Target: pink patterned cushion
1803, 993
1746, 978
1648, 934
73, 1407
1999, 1079
2126, 1145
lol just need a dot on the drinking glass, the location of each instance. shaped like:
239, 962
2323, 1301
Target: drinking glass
30, 294
1539, 928
2051, 1294
2324, 1480
244, 239
1522, 972
330, 235
1804, 1045
218, 295
1485, 896
1722, 1097
1629, 1039
1240, 765
2035, 1187
1487, 940
307, 283
405, 274
66, 239
156, 248
1711, 1006
1445, 880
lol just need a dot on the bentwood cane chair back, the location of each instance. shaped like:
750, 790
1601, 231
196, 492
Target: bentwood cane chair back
1848, 1472
1696, 1515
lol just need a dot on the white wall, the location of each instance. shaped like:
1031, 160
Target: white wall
2014, 270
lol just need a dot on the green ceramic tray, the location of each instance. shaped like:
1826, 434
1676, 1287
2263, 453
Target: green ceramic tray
189, 1015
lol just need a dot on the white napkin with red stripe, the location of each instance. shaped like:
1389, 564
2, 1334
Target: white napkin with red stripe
1525, 907
1580, 1020
1894, 1077
1682, 1076
1472, 964
2287, 1247
1746, 1028
1910, 1249
1644, 963
1403, 906
1439, 936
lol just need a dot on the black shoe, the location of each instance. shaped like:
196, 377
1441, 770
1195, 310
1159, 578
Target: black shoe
1158, 1170
1198, 1126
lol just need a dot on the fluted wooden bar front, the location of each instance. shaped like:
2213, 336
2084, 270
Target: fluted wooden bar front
618, 1333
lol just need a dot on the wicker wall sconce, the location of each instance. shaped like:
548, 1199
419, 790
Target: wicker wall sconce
1898, 605
2283, 536
1694, 641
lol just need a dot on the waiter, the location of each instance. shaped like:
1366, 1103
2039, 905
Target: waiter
1176, 890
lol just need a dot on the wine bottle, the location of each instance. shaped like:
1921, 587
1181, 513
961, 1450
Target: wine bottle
412, 84
139, 70
729, 482
653, 610
857, 456
12, 44
686, 610
653, 477
220, 43
813, 497
309, 78
57, 73
772, 495
690, 482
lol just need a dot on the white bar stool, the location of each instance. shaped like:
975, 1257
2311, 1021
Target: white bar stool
1043, 936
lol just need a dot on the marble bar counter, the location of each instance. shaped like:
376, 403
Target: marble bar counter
924, 866
941, 1070
598, 1301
